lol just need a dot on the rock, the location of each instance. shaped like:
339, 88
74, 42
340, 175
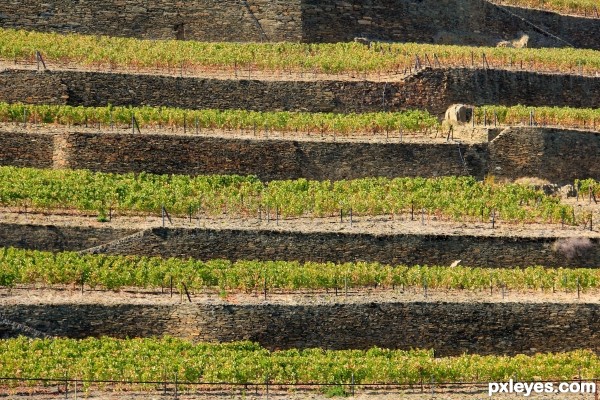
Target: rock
568, 191
460, 113
518, 43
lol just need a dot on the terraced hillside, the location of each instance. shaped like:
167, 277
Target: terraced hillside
188, 218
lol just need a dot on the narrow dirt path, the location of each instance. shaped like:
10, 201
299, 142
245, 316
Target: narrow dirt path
67, 294
425, 224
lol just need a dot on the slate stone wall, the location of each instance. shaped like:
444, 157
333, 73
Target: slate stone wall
56, 238
269, 159
451, 328
557, 155
394, 248
429, 89
467, 22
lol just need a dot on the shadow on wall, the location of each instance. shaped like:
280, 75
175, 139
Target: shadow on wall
463, 22
470, 22
57, 238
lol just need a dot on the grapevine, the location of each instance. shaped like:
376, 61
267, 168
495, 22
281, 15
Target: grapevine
456, 198
244, 362
339, 124
588, 187
18, 267
309, 123
588, 118
339, 58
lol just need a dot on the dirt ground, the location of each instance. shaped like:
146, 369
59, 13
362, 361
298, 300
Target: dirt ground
465, 136
399, 224
469, 392
41, 294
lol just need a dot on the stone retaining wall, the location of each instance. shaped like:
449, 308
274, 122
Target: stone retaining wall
471, 22
393, 248
206, 20
26, 150
262, 244
579, 32
31, 87
558, 155
269, 159
428, 89
449, 328
57, 238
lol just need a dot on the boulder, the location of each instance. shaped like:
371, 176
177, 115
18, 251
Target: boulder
460, 113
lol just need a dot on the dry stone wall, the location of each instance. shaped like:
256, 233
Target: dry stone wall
524, 87
26, 150
579, 32
558, 155
91, 89
206, 20
395, 248
430, 89
472, 22
439, 88
32, 88
448, 328
57, 238
269, 159
261, 244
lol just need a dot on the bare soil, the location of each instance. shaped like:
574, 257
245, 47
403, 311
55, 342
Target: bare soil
41, 294
465, 136
419, 224
465, 392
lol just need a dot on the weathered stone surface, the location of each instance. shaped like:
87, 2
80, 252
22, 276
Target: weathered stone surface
262, 244
33, 88
472, 22
429, 89
206, 20
26, 150
556, 155
449, 328
394, 248
53, 238
269, 159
